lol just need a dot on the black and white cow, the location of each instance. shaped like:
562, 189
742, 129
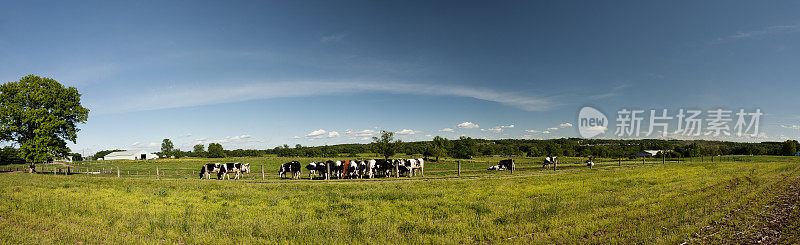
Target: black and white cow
418, 167
550, 160
290, 167
206, 170
322, 169
384, 167
244, 169
312, 169
362, 169
370, 168
231, 167
352, 169
503, 165
404, 166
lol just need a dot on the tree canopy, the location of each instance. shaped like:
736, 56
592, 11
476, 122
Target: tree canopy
40, 115
215, 151
385, 144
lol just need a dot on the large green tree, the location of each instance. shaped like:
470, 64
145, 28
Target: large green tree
199, 150
789, 147
167, 148
40, 115
385, 144
215, 151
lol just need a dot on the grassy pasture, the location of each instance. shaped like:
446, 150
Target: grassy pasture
651, 202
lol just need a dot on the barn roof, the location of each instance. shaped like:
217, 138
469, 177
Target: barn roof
127, 153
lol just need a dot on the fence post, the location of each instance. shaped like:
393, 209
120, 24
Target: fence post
157, 177
262, 171
459, 168
117, 171
642, 160
620, 161
328, 172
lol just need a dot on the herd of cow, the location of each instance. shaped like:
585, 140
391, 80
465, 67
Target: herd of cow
354, 169
351, 169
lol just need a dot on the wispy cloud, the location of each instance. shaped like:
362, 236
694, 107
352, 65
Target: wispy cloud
790, 126
565, 125
449, 130
495, 129
333, 38
174, 97
769, 30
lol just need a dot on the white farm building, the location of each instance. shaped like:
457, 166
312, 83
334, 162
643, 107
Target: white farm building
130, 155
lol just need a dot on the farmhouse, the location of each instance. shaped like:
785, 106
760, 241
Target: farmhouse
130, 155
648, 153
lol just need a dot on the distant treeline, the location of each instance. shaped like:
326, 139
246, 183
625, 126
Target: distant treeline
466, 147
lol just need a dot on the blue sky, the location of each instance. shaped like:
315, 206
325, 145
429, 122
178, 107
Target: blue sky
261, 74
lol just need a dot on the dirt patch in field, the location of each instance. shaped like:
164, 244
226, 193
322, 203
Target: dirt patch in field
774, 223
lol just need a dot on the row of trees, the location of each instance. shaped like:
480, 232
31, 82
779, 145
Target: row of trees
465, 147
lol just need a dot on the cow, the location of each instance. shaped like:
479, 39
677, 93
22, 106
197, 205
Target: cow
337, 168
321, 170
381, 167
206, 170
549, 160
290, 167
503, 165
590, 162
345, 169
362, 169
312, 169
370, 169
352, 169
419, 168
508, 164
245, 169
227, 168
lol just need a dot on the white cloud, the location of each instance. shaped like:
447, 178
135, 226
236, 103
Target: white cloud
552, 129
333, 38
348, 131
244, 136
136, 143
317, 134
467, 125
295, 137
508, 126
495, 129
742, 35
450, 130
407, 131
428, 135
332, 134
791, 126
153, 144
185, 135
365, 133
532, 131
545, 132
176, 97
565, 125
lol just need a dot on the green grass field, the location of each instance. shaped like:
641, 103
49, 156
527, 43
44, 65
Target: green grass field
631, 203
